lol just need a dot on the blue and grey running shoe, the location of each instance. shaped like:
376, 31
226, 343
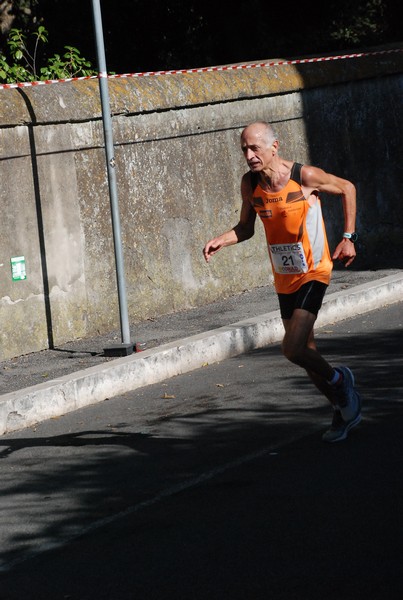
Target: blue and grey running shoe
347, 398
339, 428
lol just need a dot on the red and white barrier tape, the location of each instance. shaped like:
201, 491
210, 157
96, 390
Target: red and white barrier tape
298, 61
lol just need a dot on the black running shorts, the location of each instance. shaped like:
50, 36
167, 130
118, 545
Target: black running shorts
309, 297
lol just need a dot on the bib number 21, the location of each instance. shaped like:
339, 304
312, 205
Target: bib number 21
288, 258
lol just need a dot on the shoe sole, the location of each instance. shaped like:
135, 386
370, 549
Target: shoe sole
348, 427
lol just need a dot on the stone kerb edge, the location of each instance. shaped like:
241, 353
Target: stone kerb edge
26, 407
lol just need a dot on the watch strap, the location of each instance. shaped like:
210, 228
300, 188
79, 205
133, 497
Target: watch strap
351, 236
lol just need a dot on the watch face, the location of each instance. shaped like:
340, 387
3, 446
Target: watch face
354, 237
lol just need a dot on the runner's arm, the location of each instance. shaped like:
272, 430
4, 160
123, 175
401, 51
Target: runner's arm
315, 178
244, 229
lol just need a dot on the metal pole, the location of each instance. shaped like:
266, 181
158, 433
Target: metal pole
126, 347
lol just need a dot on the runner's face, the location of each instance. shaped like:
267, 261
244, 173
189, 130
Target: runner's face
257, 151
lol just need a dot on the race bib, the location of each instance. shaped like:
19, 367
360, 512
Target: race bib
288, 259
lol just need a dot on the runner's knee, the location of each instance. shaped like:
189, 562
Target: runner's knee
292, 352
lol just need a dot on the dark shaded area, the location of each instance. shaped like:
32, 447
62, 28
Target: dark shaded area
300, 520
156, 35
39, 216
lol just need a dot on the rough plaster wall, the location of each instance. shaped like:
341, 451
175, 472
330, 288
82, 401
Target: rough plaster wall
22, 310
180, 192
178, 167
63, 242
366, 126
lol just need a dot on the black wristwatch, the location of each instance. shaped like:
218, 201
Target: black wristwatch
353, 237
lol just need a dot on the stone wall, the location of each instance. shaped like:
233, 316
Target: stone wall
178, 169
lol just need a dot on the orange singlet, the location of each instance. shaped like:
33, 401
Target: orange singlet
295, 233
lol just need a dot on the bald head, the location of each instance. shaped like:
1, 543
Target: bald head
260, 130
259, 145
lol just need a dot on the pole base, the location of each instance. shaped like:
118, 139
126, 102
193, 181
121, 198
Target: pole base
119, 350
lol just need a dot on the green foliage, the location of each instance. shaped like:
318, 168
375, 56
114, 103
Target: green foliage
365, 24
20, 61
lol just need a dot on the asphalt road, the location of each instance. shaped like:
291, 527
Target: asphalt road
215, 484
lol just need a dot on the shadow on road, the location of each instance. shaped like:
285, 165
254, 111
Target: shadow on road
294, 519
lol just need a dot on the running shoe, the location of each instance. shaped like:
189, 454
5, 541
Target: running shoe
347, 398
339, 428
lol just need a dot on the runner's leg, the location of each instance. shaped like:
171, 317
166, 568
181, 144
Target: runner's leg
299, 347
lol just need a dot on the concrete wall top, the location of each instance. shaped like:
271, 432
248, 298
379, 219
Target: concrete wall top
80, 100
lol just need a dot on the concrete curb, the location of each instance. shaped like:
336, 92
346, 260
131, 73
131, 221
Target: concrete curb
28, 406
